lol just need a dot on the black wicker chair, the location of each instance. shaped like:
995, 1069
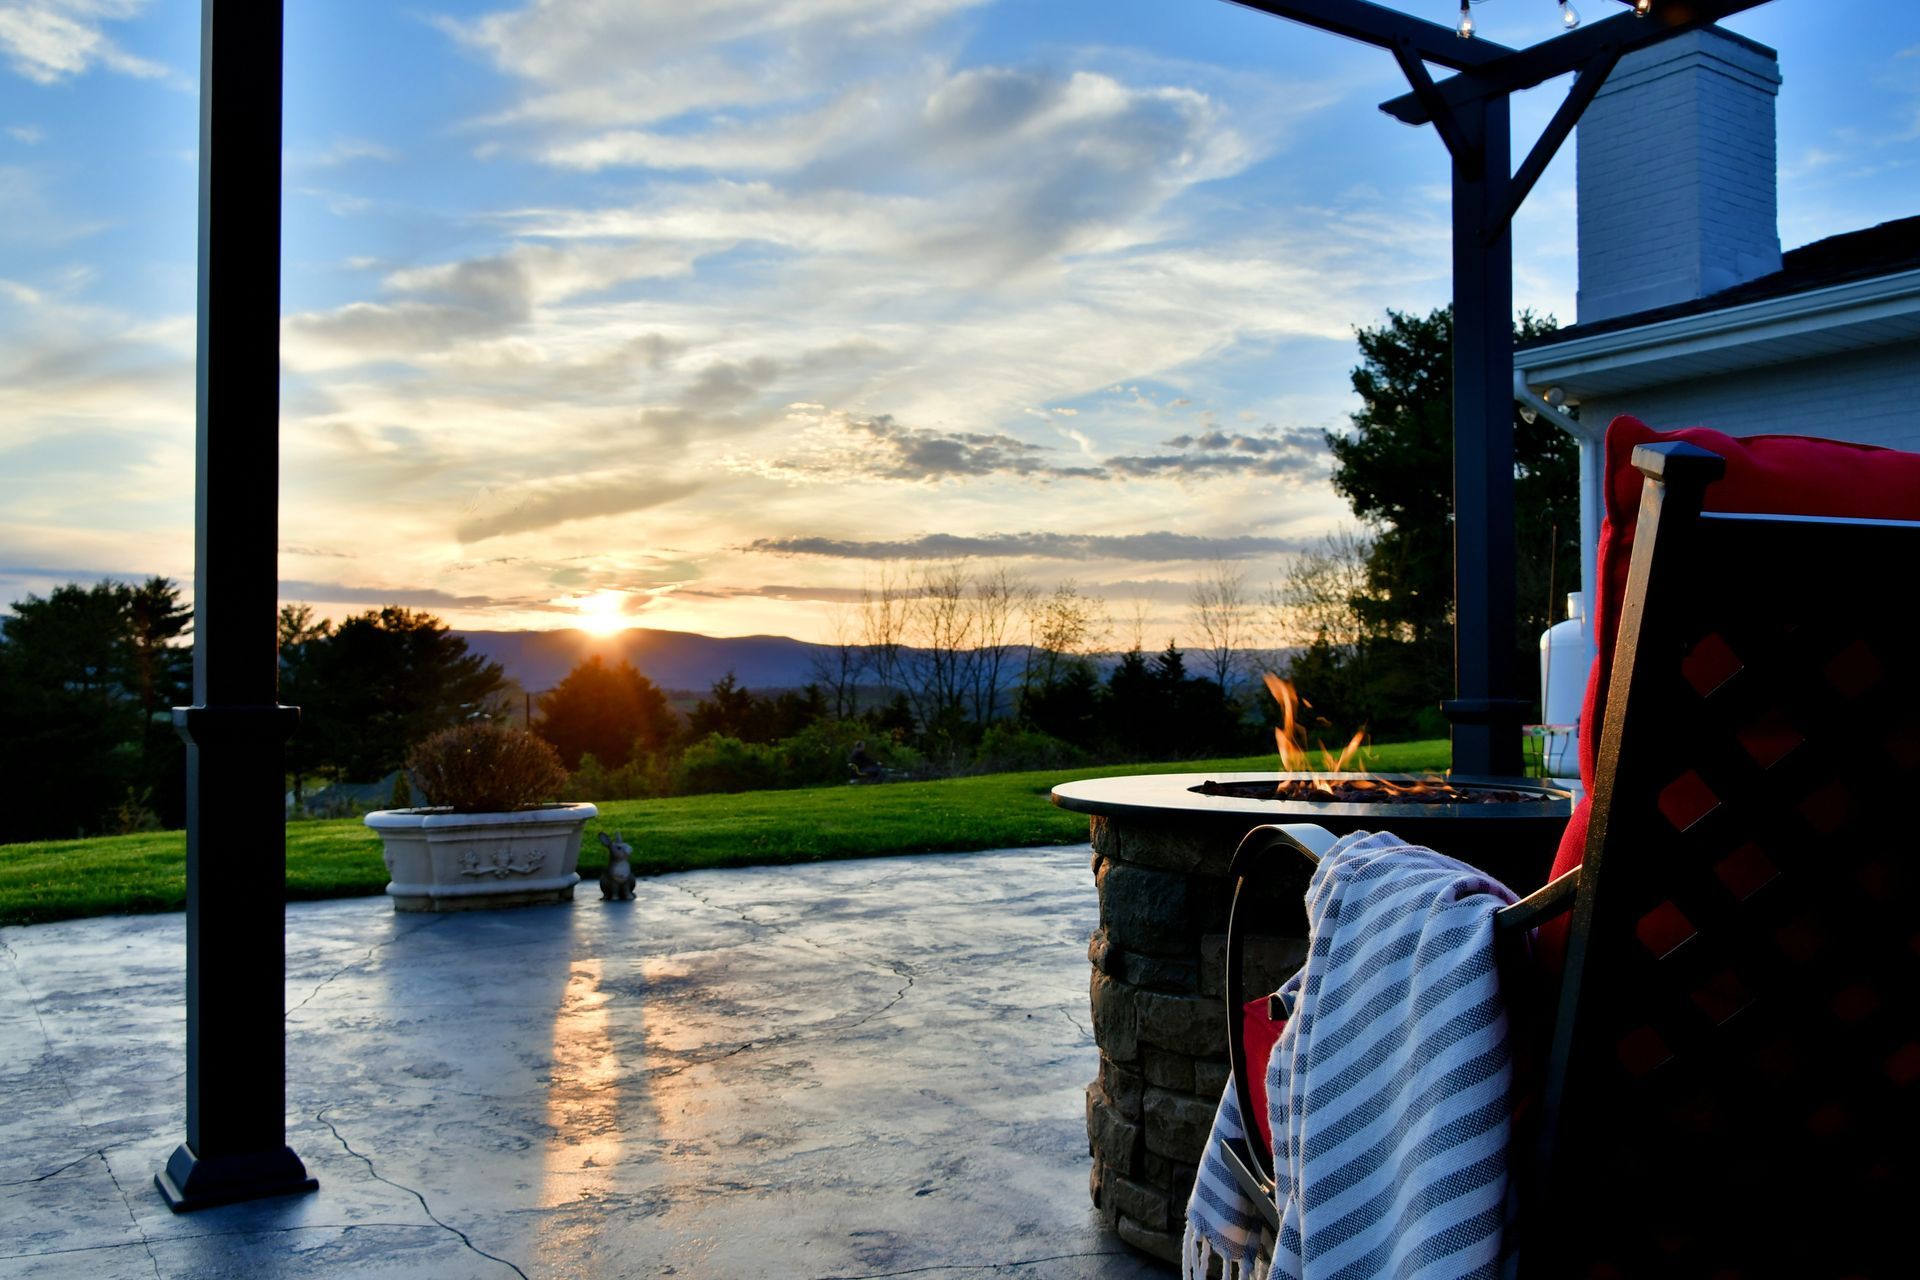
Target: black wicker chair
1726, 1082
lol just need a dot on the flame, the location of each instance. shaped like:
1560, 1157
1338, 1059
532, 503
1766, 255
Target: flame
1291, 737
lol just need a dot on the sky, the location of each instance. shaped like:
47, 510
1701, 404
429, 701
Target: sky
706, 315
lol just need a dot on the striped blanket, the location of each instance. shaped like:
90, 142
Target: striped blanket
1388, 1088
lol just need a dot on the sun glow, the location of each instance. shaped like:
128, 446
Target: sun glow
603, 612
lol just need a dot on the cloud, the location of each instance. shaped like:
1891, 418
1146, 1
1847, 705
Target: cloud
550, 504
840, 446
48, 40
345, 151
434, 309
817, 594
577, 58
31, 135
1144, 547
407, 597
1296, 452
847, 446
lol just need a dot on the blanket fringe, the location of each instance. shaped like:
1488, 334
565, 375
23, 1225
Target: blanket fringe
1197, 1258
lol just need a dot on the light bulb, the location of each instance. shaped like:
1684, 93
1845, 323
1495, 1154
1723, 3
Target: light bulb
1465, 25
1569, 16
1641, 8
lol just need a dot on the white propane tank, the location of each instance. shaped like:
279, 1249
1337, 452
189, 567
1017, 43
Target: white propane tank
1564, 660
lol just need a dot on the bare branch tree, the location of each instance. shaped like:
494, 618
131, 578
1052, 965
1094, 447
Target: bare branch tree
838, 664
999, 597
883, 622
940, 634
1221, 611
1137, 609
1062, 626
1314, 605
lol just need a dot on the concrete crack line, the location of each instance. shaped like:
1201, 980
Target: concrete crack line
372, 951
893, 966
46, 1037
425, 1208
1077, 1024
899, 971
225, 1235
78, 1160
132, 1217
738, 914
978, 1266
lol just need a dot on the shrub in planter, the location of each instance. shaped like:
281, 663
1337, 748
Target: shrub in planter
494, 834
484, 768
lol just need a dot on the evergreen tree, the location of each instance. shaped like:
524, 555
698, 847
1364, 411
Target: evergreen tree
87, 679
610, 713
1395, 468
385, 679
299, 632
729, 709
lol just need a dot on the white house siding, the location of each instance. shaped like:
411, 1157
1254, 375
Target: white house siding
1871, 396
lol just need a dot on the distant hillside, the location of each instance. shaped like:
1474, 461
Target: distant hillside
539, 660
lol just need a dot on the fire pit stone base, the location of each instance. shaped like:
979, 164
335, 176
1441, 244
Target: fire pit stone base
1158, 968
1162, 845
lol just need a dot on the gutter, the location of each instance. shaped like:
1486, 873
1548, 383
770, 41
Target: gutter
1855, 302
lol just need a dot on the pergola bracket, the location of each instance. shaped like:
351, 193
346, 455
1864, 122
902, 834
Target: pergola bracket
1547, 145
1445, 122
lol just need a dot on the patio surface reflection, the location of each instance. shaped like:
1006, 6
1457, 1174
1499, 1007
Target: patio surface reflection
853, 1069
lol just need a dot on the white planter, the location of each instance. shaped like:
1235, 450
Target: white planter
445, 861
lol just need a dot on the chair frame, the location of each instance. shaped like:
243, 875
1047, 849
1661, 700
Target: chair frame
1599, 902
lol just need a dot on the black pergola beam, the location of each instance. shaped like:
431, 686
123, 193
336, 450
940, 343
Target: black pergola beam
1471, 112
1520, 69
1443, 116
236, 1132
1578, 98
1387, 28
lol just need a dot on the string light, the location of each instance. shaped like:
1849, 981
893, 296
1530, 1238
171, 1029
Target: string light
1641, 8
1569, 16
1465, 25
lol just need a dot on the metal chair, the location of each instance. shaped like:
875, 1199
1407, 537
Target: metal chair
1722, 1076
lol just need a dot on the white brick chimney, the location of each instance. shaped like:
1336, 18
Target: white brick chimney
1676, 171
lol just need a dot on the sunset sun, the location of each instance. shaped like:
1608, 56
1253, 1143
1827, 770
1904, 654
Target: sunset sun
602, 613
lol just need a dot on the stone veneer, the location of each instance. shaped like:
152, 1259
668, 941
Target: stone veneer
1158, 961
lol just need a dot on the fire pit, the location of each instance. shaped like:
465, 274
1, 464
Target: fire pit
1161, 845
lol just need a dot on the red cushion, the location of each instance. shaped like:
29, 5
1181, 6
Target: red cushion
1778, 475
1259, 1033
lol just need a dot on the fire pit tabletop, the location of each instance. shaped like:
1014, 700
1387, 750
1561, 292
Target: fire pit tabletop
1163, 795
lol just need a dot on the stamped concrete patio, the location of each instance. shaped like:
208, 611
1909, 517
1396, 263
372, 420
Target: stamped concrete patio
855, 1069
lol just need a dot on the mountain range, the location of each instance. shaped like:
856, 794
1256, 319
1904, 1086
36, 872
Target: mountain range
539, 660
686, 660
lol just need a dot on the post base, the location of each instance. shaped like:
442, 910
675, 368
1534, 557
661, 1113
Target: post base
192, 1182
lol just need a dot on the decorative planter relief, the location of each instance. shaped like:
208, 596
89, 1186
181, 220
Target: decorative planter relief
439, 860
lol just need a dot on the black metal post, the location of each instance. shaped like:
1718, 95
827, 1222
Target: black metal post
236, 1146
1486, 716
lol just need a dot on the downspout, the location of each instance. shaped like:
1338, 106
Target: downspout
1592, 469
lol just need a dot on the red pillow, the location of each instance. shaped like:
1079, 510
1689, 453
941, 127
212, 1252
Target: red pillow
1259, 1032
1778, 475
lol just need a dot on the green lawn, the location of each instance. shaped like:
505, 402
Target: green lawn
58, 880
